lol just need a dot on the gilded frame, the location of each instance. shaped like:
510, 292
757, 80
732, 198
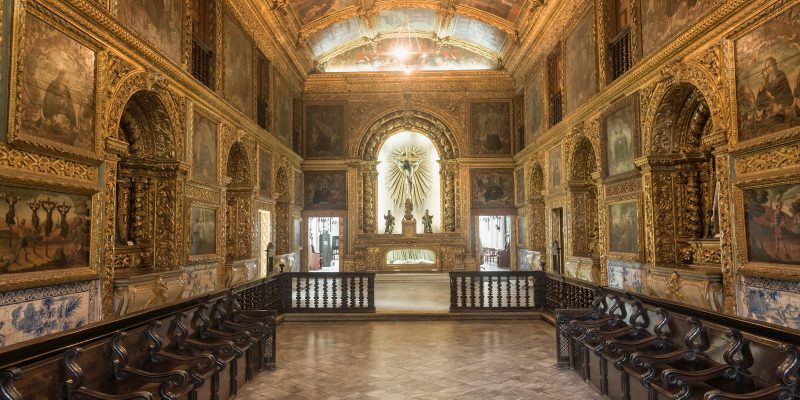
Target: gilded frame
218, 231
24, 280
23, 9
196, 109
788, 272
747, 27
628, 199
630, 101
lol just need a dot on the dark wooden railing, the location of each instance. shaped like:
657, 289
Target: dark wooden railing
562, 292
328, 292
556, 110
620, 51
496, 291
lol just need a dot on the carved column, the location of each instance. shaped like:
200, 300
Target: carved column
659, 210
601, 247
583, 215
723, 159
449, 183
168, 233
109, 240
369, 182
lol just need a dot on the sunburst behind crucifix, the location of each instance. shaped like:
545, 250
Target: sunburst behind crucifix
409, 175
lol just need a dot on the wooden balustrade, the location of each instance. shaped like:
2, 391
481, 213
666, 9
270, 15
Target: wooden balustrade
307, 292
496, 291
620, 51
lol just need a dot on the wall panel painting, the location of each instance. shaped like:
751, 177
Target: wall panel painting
492, 188
490, 128
203, 234
283, 114
326, 134
768, 76
57, 99
204, 150
43, 230
534, 107
581, 63
556, 171
519, 175
623, 229
772, 216
325, 190
238, 67
663, 20
158, 22
264, 173
479, 32
381, 58
407, 19
329, 38
620, 137
309, 10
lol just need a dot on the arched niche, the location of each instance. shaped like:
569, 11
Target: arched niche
536, 223
442, 138
148, 206
583, 199
682, 174
239, 197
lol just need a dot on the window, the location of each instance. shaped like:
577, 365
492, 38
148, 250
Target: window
203, 41
620, 45
263, 90
554, 83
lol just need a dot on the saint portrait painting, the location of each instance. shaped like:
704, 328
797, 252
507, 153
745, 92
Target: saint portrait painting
768, 76
325, 190
619, 136
203, 234
772, 216
490, 127
58, 97
492, 188
158, 21
325, 130
623, 230
204, 150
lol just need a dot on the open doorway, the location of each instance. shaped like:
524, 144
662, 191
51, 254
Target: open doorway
323, 244
494, 232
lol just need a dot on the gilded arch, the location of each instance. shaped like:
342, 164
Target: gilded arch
419, 121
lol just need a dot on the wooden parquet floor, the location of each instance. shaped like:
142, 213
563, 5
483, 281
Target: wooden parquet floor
417, 360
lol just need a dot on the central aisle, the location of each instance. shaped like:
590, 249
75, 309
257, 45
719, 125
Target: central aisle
417, 360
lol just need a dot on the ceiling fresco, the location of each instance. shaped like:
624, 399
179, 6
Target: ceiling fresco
420, 54
353, 34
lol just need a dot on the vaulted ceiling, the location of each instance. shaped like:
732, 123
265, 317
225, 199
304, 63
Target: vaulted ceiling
407, 35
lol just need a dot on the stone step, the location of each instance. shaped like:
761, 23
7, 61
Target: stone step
412, 316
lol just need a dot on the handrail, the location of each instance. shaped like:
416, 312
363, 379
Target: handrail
496, 291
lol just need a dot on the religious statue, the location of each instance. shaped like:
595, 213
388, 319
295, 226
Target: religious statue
389, 222
427, 222
408, 210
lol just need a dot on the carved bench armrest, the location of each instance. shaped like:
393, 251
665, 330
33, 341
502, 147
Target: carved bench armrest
774, 392
230, 324
576, 313
644, 360
198, 361
221, 347
590, 323
174, 378
679, 377
266, 320
241, 339
596, 334
630, 345
86, 393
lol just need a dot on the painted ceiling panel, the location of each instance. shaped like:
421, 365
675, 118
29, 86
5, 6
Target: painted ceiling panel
508, 9
418, 54
310, 10
407, 19
480, 33
335, 35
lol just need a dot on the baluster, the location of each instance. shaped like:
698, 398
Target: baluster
352, 291
471, 290
508, 291
298, 304
308, 291
480, 291
463, 291
333, 292
361, 292
491, 288
344, 292
325, 292
516, 290
371, 291
316, 291
453, 286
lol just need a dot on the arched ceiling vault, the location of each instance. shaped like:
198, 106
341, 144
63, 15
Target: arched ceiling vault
363, 35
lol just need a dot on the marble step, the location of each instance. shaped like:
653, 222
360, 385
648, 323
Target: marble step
412, 316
